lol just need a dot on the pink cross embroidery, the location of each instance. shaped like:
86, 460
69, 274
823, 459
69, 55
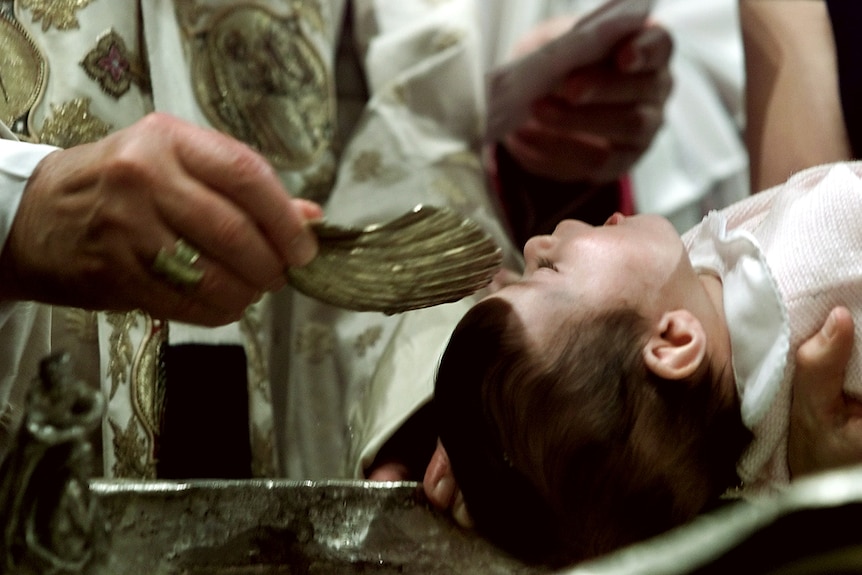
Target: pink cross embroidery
114, 63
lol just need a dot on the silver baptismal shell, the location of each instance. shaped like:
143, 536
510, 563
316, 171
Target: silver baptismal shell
428, 256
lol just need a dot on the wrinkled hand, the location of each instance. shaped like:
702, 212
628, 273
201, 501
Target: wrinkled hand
825, 423
601, 119
93, 218
442, 490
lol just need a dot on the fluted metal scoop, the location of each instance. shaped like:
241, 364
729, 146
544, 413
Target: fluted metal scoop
428, 256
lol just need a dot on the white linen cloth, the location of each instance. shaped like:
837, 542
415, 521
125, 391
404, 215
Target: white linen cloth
786, 257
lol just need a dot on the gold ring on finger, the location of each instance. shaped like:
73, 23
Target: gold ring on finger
178, 265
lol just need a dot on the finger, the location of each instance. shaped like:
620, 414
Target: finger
118, 256
143, 289
459, 512
819, 435
439, 482
179, 306
853, 408
598, 85
189, 159
532, 152
309, 210
571, 157
649, 49
392, 471
543, 33
245, 178
218, 289
225, 234
821, 361
622, 125
217, 298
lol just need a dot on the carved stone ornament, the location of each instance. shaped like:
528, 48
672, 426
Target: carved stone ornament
50, 521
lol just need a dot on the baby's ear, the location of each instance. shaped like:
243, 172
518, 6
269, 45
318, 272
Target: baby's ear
677, 345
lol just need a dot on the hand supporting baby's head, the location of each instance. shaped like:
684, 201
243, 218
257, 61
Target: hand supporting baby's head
571, 452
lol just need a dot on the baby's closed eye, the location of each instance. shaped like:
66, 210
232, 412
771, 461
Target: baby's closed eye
545, 263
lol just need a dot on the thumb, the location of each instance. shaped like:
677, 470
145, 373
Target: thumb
309, 210
822, 360
648, 50
439, 482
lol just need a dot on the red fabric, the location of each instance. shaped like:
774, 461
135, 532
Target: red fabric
626, 197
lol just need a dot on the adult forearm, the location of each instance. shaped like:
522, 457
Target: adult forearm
794, 117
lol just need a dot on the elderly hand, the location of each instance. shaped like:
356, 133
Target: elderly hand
601, 119
93, 218
825, 423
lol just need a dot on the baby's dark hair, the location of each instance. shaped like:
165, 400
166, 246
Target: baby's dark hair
564, 459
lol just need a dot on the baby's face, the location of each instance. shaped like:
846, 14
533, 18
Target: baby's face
638, 261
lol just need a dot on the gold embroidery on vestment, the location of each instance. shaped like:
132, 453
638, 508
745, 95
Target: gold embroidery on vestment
368, 165
263, 453
148, 390
315, 341
130, 452
398, 93
113, 66
141, 369
451, 190
312, 12
251, 327
71, 124
62, 14
258, 76
120, 345
22, 72
449, 183
464, 159
367, 339
445, 40
261, 434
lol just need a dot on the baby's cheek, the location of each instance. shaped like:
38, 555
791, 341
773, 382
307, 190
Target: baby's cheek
503, 278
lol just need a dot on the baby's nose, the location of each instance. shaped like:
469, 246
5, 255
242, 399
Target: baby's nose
615, 219
568, 227
538, 246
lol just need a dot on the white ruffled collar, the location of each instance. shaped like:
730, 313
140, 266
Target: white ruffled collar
756, 315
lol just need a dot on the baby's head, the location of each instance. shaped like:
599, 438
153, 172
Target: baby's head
566, 437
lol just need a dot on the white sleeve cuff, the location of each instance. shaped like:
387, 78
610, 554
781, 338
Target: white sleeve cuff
17, 162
